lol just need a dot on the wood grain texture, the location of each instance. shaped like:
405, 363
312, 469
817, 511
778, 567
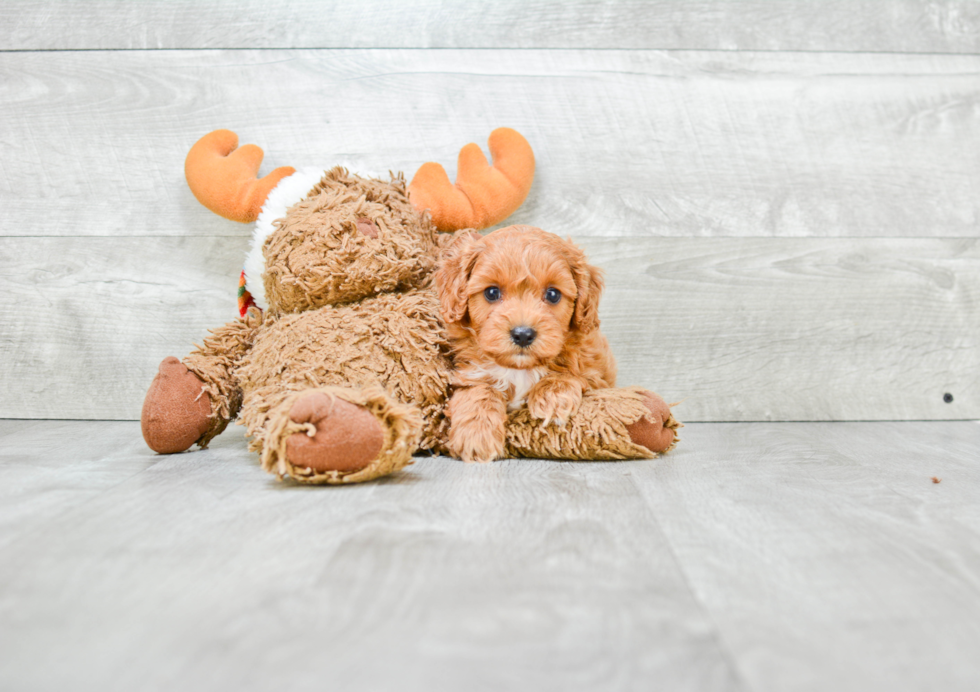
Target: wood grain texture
629, 143
13, 425
755, 557
90, 319
737, 328
797, 329
943, 26
826, 555
199, 571
50, 468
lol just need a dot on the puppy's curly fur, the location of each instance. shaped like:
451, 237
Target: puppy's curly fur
521, 308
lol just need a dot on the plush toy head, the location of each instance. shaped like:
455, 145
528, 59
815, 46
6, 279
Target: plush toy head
349, 239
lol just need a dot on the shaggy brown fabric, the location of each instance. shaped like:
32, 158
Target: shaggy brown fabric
394, 340
599, 430
319, 254
215, 363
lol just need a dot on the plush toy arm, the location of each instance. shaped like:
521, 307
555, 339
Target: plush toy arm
483, 194
223, 176
217, 359
610, 424
192, 401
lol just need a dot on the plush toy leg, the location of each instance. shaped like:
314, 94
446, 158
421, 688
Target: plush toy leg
338, 435
192, 402
657, 431
177, 409
611, 424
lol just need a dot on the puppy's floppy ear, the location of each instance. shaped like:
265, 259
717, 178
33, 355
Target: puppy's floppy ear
453, 275
588, 287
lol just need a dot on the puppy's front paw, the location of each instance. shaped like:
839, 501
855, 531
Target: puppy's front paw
554, 399
478, 418
476, 440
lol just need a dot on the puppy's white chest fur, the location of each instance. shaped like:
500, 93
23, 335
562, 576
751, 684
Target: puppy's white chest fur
504, 378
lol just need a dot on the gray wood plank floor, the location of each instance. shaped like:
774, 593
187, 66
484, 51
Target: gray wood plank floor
768, 556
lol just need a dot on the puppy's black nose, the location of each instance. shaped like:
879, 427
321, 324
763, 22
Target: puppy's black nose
522, 336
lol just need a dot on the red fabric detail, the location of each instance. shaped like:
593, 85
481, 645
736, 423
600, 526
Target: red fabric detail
245, 300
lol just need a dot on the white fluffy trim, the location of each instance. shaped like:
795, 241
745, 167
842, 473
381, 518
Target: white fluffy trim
288, 192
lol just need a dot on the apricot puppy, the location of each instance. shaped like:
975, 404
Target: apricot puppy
521, 307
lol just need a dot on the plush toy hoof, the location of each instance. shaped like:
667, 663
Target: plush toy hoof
656, 431
347, 437
177, 409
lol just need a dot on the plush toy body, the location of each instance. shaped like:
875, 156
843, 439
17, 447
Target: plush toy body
339, 366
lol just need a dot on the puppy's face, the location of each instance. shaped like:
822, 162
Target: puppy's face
519, 293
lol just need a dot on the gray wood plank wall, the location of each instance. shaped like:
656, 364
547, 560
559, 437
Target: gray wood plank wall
936, 26
784, 194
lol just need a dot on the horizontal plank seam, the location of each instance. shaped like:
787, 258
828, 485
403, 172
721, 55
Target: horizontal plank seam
489, 48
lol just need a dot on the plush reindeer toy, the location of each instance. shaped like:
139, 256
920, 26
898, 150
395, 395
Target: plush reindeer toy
340, 365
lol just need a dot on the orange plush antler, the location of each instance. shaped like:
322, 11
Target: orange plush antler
483, 194
222, 177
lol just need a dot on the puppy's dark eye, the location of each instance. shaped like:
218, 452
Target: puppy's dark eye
492, 294
552, 295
